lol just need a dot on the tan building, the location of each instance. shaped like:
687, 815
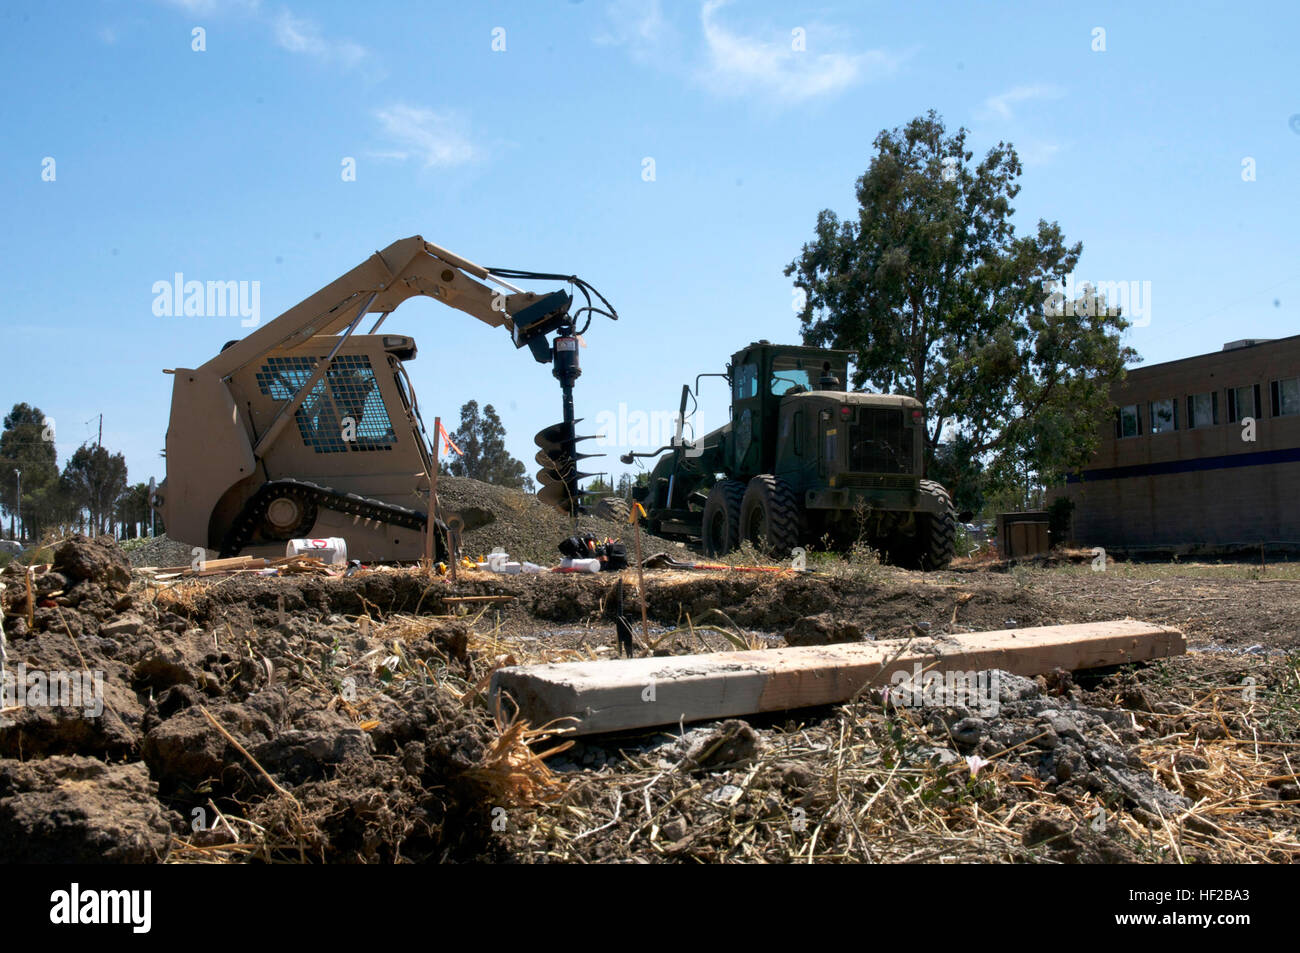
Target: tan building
1202, 452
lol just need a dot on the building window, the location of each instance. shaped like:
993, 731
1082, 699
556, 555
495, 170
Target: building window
1164, 415
1243, 402
1286, 397
1203, 410
1128, 422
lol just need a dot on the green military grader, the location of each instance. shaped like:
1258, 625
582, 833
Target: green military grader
803, 463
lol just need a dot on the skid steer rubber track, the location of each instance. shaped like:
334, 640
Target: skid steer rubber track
320, 497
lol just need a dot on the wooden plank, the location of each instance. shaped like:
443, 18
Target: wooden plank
614, 695
218, 565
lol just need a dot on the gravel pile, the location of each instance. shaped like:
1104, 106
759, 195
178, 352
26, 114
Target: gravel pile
522, 526
161, 551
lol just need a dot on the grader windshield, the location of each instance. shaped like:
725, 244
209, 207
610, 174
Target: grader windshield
795, 374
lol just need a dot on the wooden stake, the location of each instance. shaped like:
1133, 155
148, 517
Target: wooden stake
637, 511
429, 548
31, 602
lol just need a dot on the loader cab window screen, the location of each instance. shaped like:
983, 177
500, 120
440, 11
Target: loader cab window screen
746, 385
343, 413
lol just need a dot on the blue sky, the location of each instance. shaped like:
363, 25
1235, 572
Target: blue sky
225, 164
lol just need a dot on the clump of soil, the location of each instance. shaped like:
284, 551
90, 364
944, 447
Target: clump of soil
81, 810
82, 559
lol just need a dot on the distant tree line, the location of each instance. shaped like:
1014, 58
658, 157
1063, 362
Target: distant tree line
90, 494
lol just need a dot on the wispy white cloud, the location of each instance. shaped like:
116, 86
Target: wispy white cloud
1003, 105
210, 7
435, 139
1036, 152
736, 64
636, 24
775, 68
291, 32
1003, 108
299, 35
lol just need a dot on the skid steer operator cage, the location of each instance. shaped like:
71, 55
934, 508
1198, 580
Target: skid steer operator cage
345, 403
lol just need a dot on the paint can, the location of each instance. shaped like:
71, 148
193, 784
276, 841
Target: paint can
332, 550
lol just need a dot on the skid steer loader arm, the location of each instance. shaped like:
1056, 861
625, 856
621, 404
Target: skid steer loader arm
405, 268
240, 475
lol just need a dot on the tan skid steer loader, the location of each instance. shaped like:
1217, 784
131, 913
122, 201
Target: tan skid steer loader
306, 428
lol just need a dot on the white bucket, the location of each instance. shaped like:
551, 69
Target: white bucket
332, 551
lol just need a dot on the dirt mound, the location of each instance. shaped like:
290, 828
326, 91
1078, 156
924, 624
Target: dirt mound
516, 521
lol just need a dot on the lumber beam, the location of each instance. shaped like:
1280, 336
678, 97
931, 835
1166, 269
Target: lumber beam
620, 694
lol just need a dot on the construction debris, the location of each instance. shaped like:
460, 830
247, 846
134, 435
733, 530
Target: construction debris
616, 695
289, 565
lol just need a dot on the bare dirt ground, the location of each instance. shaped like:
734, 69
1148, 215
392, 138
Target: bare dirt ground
328, 719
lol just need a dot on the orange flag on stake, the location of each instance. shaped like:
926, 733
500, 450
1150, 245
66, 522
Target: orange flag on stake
442, 431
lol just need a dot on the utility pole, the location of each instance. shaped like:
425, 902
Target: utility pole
99, 441
18, 477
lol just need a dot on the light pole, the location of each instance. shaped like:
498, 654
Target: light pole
18, 476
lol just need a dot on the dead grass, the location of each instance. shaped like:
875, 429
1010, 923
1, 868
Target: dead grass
861, 784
